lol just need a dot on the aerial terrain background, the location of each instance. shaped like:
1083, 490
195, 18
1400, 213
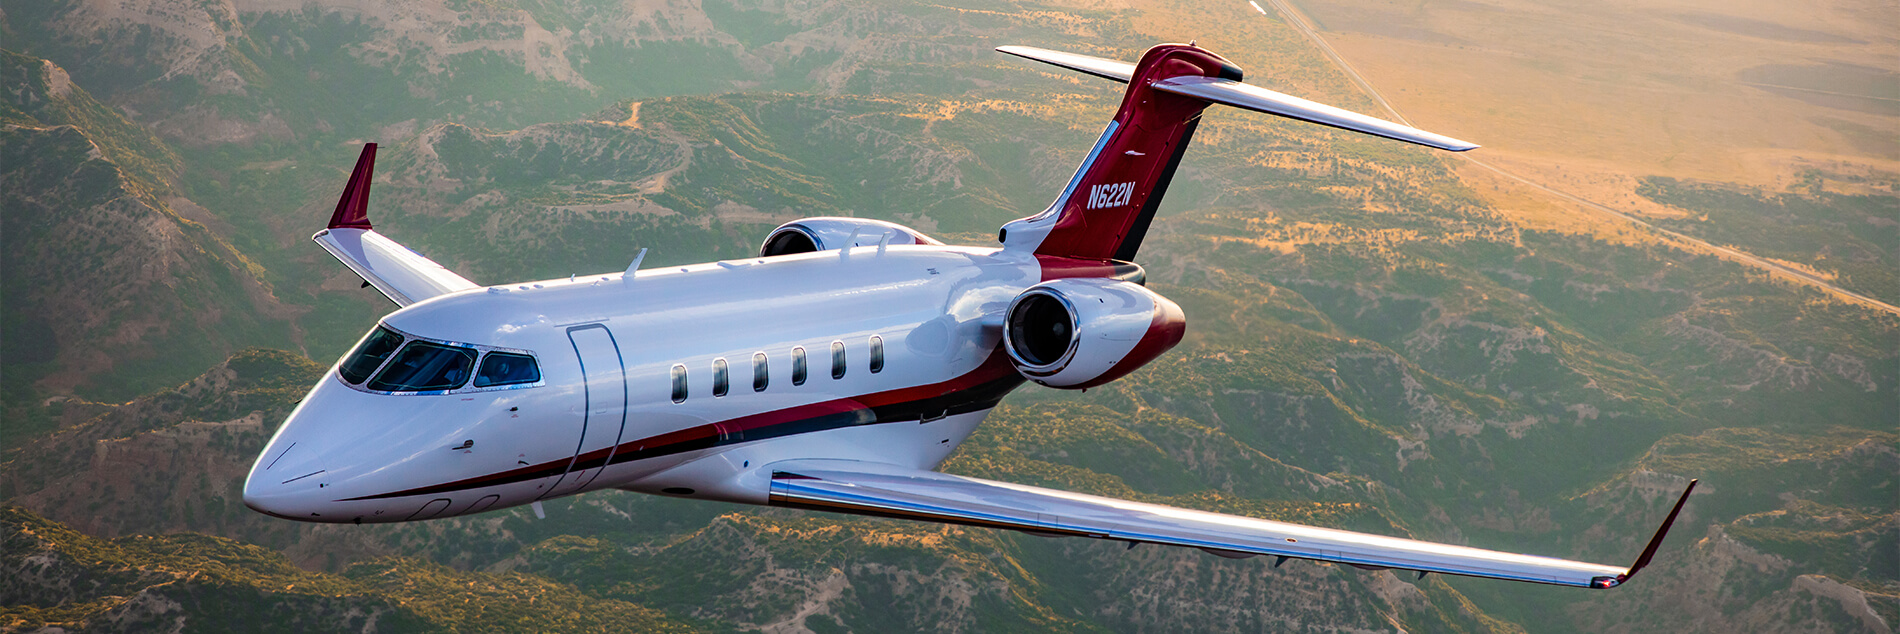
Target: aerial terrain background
1677, 256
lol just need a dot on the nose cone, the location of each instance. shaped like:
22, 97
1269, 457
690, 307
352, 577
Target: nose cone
261, 496
275, 485
342, 453
294, 475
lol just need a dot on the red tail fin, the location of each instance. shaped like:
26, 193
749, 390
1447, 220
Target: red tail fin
352, 211
1105, 211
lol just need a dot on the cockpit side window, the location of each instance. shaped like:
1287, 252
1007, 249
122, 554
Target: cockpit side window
374, 349
425, 366
502, 368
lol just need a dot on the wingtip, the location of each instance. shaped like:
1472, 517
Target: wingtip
352, 210
1649, 552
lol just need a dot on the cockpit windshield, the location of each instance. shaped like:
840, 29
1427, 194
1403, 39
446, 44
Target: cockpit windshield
424, 366
405, 363
375, 348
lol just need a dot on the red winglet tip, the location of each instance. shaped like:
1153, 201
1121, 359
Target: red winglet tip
1656, 542
352, 211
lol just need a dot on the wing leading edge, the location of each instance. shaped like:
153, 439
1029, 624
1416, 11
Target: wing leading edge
890, 491
401, 274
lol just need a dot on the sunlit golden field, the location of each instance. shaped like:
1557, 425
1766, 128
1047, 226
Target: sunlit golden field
1749, 92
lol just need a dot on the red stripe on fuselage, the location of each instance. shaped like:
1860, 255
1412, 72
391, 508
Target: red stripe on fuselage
994, 368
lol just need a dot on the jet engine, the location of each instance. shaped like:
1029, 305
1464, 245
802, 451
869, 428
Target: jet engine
1082, 332
820, 234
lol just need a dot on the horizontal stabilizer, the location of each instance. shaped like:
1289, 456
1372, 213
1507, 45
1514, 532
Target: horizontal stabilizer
1240, 95
891, 491
1255, 98
1104, 68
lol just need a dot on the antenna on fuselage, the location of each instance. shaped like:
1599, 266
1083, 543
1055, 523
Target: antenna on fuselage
848, 243
635, 266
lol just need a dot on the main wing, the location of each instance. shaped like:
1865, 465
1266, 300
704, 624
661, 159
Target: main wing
401, 274
891, 491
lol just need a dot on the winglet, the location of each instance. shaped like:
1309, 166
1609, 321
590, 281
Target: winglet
1654, 543
352, 211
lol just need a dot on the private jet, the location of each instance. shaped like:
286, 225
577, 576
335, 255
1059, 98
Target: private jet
834, 372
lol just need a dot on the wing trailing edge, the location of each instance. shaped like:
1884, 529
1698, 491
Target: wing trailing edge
890, 491
398, 272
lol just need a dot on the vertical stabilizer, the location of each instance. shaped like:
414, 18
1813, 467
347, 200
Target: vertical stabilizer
1105, 210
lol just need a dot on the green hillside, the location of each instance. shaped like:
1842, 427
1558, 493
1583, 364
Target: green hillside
102, 270
61, 578
1374, 344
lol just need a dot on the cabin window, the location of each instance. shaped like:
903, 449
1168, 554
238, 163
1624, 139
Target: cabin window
798, 365
877, 354
374, 349
761, 373
719, 377
679, 383
424, 366
837, 359
502, 368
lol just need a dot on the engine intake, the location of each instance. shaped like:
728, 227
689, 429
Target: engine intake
824, 233
1083, 332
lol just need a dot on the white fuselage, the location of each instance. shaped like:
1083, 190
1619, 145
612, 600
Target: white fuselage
603, 414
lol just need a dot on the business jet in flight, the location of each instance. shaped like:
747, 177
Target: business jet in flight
833, 372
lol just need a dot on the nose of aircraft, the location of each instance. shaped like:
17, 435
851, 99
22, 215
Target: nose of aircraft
270, 490
295, 475
342, 448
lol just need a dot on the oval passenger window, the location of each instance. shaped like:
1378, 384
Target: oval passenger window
837, 359
798, 365
761, 373
679, 383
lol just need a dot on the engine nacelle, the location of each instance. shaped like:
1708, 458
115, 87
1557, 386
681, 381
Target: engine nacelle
1083, 332
821, 234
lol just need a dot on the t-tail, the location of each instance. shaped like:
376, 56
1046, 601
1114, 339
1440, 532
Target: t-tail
1105, 211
